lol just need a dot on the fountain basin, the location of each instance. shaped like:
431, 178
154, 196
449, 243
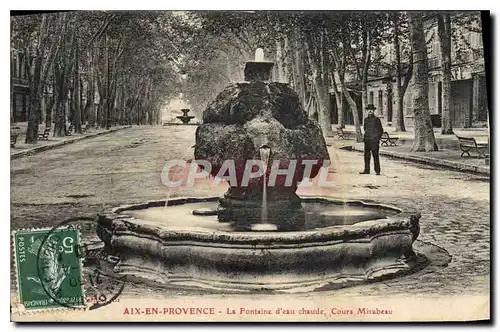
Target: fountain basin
185, 119
340, 244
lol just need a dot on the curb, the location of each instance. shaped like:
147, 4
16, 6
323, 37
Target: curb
166, 124
38, 149
431, 161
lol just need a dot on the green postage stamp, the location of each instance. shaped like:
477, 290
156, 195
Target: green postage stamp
48, 269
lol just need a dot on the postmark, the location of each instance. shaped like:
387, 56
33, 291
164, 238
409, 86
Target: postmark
64, 267
48, 272
101, 285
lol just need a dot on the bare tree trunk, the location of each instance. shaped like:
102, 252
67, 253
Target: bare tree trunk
444, 32
366, 66
401, 95
324, 90
33, 115
137, 110
91, 91
424, 134
60, 118
279, 62
106, 84
100, 117
33, 118
82, 94
364, 96
59, 123
286, 58
77, 113
99, 122
299, 65
320, 88
400, 121
123, 104
339, 64
339, 100
355, 114
308, 107
34, 108
62, 68
42, 64
50, 101
339, 71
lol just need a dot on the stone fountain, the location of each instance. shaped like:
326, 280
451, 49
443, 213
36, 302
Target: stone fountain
185, 118
259, 237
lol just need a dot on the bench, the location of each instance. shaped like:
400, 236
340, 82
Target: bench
387, 140
13, 140
45, 134
85, 128
340, 133
468, 144
69, 131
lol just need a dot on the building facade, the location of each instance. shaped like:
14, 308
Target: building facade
19, 90
468, 87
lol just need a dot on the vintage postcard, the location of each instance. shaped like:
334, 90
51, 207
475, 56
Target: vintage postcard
250, 166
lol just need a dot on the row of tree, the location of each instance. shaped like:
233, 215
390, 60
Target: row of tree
100, 68
120, 67
320, 52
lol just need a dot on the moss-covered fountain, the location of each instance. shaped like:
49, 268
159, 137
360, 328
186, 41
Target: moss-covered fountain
257, 236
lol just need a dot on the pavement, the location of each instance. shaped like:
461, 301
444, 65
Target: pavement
448, 156
124, 167
22, 149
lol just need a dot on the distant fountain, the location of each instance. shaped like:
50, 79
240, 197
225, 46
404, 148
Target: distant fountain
185, 118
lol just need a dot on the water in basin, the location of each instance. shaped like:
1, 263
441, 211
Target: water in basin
317, 215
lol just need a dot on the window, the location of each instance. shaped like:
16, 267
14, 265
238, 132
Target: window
370, 101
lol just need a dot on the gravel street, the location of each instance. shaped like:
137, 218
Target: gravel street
92, 176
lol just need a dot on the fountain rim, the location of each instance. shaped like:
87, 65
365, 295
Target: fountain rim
403, 220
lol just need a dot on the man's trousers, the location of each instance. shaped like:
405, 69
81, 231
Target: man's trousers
371, 148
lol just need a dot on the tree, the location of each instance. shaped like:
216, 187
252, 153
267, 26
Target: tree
124, 61
34, 35
317, 59
338, 39
444, 33
362, 35
339, 96
296, 41
399, 21
62, 69
424, 133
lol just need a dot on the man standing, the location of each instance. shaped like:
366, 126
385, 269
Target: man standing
373, 133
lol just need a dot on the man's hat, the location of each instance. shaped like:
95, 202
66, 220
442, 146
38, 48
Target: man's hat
370, 107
